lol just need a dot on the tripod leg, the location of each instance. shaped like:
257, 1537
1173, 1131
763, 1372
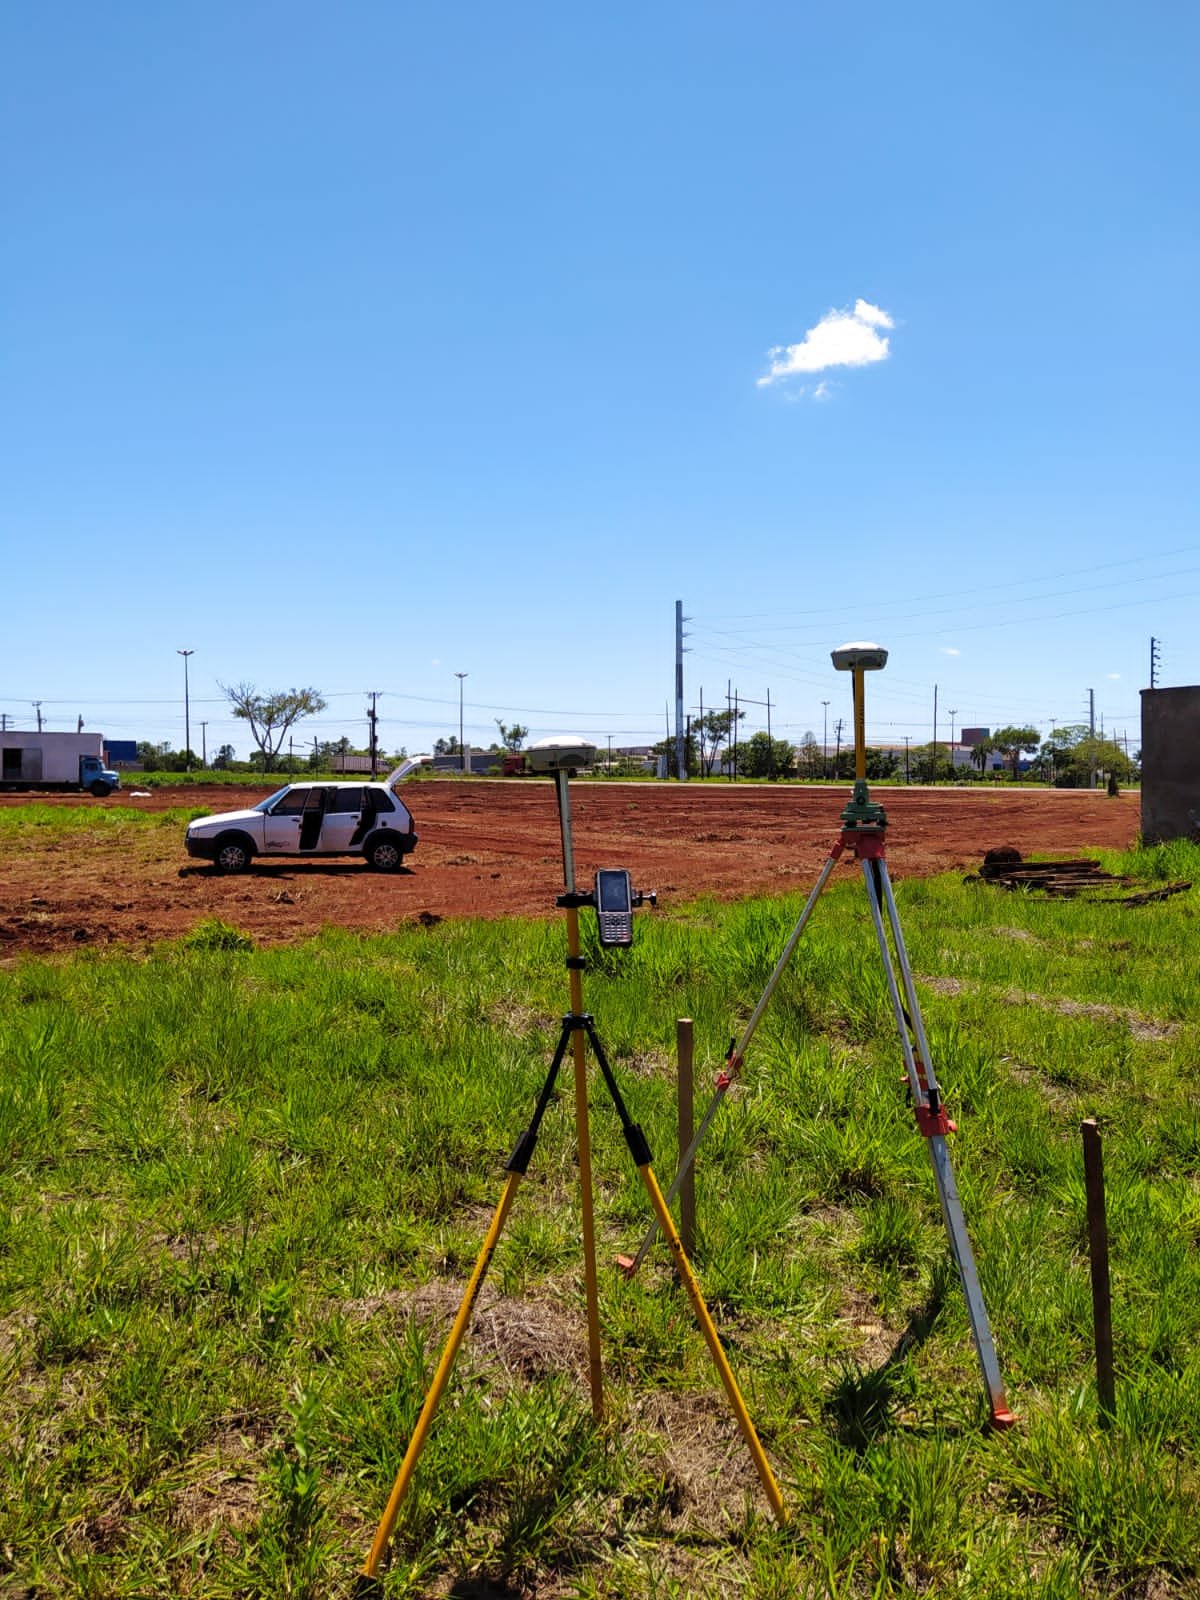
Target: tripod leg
734, 1060
934, 1125
640, 1151
440, 1378
518, 1166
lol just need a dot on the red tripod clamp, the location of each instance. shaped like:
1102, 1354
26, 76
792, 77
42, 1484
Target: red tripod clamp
933, 1122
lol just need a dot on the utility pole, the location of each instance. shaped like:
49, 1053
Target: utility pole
462, 754
770, 742
374, 742
729, 730
187, 725
1092, 734
680, 745
825, 740
1154, 663
837, 754
37, 706
3, 721
933, 752
953, 714
204, 744
906, 758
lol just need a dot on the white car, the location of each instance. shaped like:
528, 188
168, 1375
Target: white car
309, 819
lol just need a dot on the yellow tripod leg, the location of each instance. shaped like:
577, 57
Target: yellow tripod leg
667, 1223
440, 1379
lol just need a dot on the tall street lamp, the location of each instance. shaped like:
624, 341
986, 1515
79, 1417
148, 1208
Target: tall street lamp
825, 741
462, 750
187, 725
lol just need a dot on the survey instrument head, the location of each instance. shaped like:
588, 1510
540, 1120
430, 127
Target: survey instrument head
859, 657
562, 753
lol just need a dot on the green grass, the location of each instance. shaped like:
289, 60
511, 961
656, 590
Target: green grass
242, 1190
39, 820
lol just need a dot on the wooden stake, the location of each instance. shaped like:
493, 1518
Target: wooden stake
1093, 1175
687, 1189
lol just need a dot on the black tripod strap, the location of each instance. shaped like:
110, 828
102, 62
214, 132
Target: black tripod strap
523, 1152
639, 1148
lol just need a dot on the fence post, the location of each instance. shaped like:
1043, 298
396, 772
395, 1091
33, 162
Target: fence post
687, 1189
1093, 1177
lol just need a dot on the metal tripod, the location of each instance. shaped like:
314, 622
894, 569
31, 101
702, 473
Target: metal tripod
578, 1030
862, 838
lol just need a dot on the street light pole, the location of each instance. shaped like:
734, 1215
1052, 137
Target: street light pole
462, 752
825, 740
187, 724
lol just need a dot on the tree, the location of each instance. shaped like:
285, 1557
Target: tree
513, 738
1071, 756
271, 716
666, 747
223, 758
764, 757
711, 732
446, 747
980, 753
810, 758
1010, 742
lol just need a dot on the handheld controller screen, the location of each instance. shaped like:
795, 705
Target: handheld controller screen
614, 907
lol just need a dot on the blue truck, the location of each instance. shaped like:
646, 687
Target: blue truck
62, 761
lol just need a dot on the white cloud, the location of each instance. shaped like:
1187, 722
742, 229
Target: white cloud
840, 339
1114, 675
951, 650
823, 390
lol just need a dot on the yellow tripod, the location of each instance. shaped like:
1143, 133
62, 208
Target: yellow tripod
578, 1030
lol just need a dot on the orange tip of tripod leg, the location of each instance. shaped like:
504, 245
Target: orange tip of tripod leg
626, 1264
1003, 1419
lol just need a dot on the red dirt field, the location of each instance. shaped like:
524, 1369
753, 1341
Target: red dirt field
493, 848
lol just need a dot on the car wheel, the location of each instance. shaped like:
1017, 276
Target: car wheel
232, 855
384, 854
100, 790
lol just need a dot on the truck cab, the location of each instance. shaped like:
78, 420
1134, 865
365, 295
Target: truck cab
96, 778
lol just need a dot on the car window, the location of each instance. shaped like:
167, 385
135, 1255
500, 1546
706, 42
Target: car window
269, 802
347, 798
381, 801
291, 803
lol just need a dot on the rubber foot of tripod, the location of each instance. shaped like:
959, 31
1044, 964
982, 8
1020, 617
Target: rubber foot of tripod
627, 1265
1003, 1419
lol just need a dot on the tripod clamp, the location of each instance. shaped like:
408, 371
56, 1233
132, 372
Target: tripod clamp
576, 899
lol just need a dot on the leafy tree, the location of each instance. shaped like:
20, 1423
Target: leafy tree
666, 747
1070, 756
810, 758
223, 758
764, 757
512, 737
1011, 742
271, 716
446, 747
712, 731
980, 753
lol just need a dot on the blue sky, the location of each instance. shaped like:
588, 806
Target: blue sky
358, 346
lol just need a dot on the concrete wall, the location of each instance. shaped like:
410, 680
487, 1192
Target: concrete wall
1170, 764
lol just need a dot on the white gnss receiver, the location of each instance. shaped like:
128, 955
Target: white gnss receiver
614, 908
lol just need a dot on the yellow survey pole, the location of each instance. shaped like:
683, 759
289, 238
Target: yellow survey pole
584, 1148
860, 724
